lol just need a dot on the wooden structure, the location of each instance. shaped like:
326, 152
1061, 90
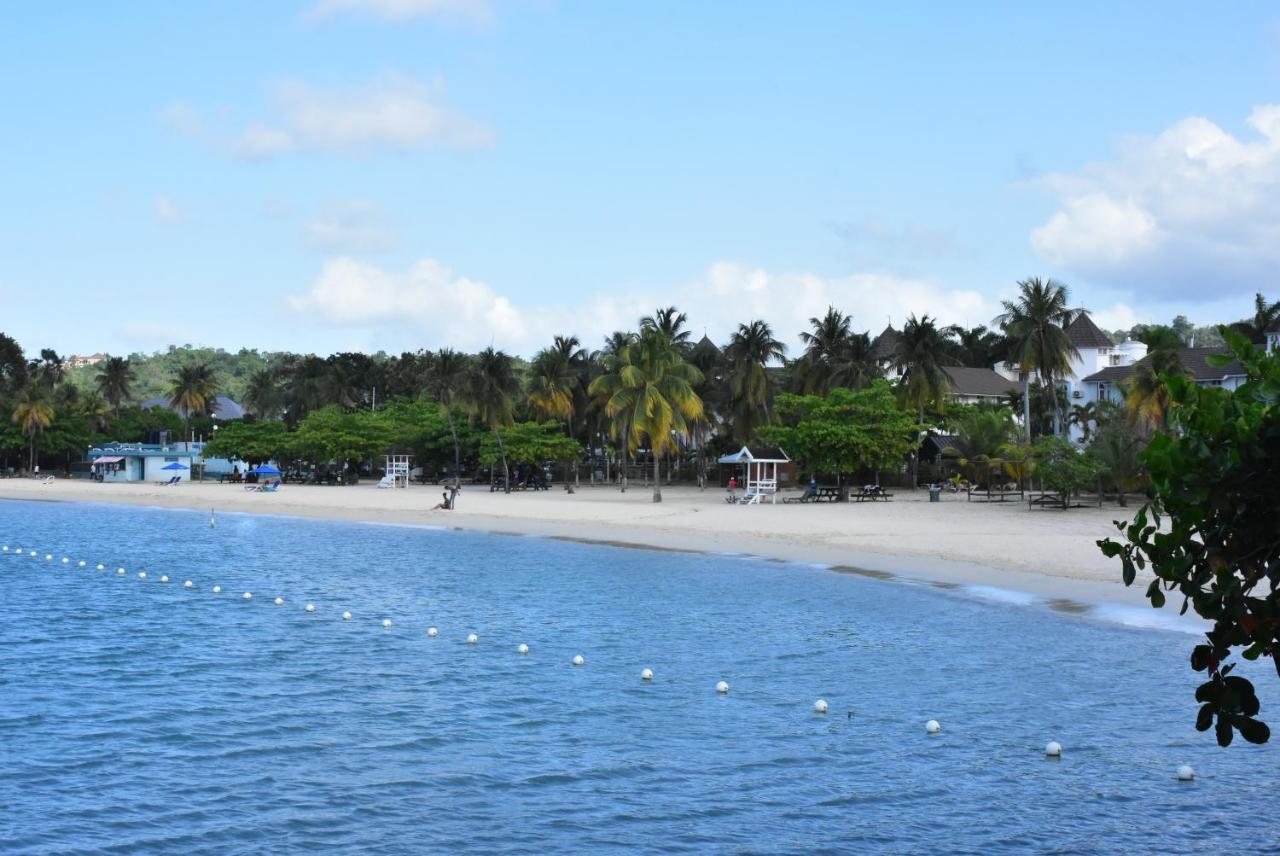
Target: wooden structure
760, 464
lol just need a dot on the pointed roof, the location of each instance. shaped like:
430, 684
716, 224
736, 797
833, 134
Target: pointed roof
883, 346
705, 342
1083, 333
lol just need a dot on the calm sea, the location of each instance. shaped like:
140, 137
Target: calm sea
138, 716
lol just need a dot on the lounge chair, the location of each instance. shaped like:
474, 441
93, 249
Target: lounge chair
173, 480
810, 495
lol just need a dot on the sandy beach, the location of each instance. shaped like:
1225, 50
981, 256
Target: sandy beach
1049, 553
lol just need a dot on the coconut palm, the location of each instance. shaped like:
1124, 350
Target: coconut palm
834, 356
751, 348
671, 323
193, 392
34, 412
555, 383
1147, 393
446, 384
491, 390
115, 381
262, 395
651, 395
920, 355
1035, 326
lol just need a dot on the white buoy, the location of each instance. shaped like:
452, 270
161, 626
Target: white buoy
1186, 773
164, 579
1053, 749
247, 595
279, 601
472, 639
820, 706
34, 554
48, 557
82, 563
722, 687
6, 548
66, 561
119, 572
346, 616
217, 589
311, 607
142, 575
578, 661
101, 567
188, 584
646, 674
523, 649
432, 632
932, 727
386, 623
213, 519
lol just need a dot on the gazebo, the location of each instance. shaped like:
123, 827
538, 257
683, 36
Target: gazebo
761, 463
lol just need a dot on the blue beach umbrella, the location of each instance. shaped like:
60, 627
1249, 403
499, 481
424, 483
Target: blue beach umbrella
175, 466
265, 470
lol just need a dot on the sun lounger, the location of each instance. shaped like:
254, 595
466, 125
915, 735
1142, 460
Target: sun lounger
173, 480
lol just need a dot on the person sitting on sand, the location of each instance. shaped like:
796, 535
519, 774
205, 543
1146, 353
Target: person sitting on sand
444, 503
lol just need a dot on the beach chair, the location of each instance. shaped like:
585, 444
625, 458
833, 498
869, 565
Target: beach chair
810, 494
271, 488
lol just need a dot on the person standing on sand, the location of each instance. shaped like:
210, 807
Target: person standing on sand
733, 487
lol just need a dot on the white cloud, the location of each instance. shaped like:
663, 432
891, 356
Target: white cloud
166, 210
404, 10
358, 226
428, 306
1189, 212
393, 112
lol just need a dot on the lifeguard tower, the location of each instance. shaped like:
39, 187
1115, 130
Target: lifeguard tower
397, 471
761, 463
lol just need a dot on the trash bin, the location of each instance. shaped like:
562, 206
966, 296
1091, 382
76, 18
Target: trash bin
935, 493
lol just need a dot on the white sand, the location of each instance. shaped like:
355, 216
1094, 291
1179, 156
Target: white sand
1045, 552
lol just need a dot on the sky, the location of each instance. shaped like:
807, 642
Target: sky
331, 175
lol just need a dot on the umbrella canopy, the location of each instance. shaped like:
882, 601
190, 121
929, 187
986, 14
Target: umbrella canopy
175, 466
265, 470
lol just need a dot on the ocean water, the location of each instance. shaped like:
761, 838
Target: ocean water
137, 716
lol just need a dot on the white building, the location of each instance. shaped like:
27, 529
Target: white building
1108, 384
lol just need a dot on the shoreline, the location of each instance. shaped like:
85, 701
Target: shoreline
941, 550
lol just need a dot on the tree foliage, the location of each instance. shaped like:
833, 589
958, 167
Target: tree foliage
1210, 530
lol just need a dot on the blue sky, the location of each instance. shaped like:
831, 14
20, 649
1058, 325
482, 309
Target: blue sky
323, 175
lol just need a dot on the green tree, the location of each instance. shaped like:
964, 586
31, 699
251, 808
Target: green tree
252, 442
346, 437
920, 354
262, 395
671, 324
751, 349
1209, 530
492, 387
834, 356
115, 382
844, 431
531, 442
1147, 394
1062, 467
34, 412
1035, 326
652, 395
193, 392
556, 388
1265, 316
446, 385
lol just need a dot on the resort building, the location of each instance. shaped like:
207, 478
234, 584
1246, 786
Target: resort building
140, 462
1107, 384
978, 385
75, 361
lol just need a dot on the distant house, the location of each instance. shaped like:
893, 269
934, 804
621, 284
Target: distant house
75, 361
140, 462
1107, 384
223, 408
977, 385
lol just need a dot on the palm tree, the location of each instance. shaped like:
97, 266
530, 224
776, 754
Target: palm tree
34, 412
446, 382
751, 348
834, 356
555, 384
1147, 396
193, 392
651, 395
670, 322
115, 381
1035, 326
262, 395
1265, 316
492, 387
920, 354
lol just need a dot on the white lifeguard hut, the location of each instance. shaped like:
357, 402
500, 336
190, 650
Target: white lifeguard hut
761, 464
397, 471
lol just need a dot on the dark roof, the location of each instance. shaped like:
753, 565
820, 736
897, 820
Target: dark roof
705, 343
223, 407
1194, 360
978, 381
933, 444
1083, 333
882, 347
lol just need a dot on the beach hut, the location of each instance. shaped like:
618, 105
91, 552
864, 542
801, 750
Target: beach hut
761, 465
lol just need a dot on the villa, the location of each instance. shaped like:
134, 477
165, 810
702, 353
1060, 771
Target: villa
1106, 385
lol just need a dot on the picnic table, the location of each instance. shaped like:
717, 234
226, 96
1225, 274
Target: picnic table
816, 494
870, 493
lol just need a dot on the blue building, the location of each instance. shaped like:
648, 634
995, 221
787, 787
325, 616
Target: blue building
141, 462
